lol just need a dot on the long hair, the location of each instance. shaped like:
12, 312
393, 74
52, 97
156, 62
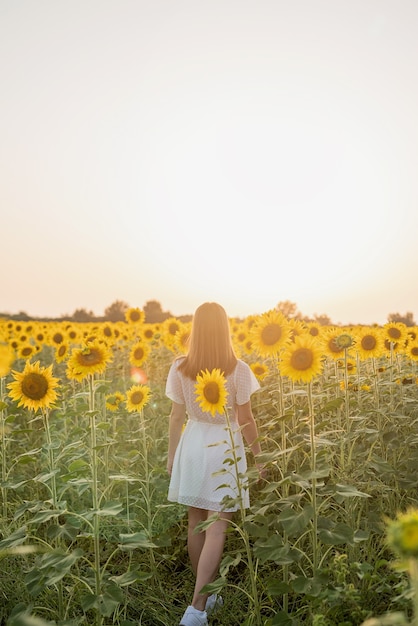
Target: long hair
210, 344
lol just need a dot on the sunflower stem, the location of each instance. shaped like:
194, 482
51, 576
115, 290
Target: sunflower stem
3, 450
146, 487
252, 568
95, 496
314, 484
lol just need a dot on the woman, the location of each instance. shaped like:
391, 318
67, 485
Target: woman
198, 452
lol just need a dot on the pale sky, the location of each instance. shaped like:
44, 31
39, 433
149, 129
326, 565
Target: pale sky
247, 152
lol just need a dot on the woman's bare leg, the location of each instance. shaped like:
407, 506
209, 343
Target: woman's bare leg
211, 549
195, 540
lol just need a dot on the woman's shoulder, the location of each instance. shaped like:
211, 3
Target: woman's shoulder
177, 362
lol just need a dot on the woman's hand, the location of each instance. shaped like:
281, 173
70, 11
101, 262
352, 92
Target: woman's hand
262, 471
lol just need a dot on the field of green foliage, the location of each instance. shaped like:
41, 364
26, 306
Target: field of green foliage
87, 535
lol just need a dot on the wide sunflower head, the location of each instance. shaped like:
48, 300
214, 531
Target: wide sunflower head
302, 360
92, 358
395, 335
211, 392
369, 342
259, 369
34, 388
270, 333
139, 353
137, 397
330, 345
412, 350
134, 316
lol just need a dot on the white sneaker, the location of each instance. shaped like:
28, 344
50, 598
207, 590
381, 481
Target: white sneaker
213, 604
194, 617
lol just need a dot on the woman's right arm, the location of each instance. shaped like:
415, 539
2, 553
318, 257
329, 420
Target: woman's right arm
177, 417
249, 430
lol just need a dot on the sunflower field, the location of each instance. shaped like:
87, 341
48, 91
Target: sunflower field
87, 535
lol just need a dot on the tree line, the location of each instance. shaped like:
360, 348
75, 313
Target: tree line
154, 314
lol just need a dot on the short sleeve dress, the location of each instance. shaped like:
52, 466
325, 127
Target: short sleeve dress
202, 476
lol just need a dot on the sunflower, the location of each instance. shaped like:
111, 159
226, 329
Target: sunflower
91, 358
411, 350
134, 316
26, 350
302, 360
170, 328
395, 334
56, 336
210, 390
139, 353
114, 400
369, 342
260, 370
34, 388
181, 340
296, 327
314, 328
61, 352
137, 397
330, 344
270, 333
148, 331
7, 356
402, 534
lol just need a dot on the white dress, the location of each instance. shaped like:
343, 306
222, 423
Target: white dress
202, 473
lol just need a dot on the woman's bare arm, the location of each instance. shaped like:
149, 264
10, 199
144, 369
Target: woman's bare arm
177, 418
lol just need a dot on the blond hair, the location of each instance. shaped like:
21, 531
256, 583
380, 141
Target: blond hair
210, 344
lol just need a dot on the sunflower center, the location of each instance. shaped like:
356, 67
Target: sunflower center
135, 316
173, 328
211, 392
394, 333
138, 353
302, 359
368, 342
414, 351
90, 357
34, 386
333, 345
137, 397
61, 350
271, 334
58, 338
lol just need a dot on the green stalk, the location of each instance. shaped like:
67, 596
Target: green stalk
3, 449
51, 459
146, 487
314, 484
413, 573
252, 568
95, 496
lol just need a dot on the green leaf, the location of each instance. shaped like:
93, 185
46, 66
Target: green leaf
128, 578
339, 534
295, 523
348, 491
134, 541
15, 539
110, 509
273, 549
105, 603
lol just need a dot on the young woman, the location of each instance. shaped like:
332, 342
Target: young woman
197, 453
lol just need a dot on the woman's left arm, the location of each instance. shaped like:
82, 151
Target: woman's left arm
177, 417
